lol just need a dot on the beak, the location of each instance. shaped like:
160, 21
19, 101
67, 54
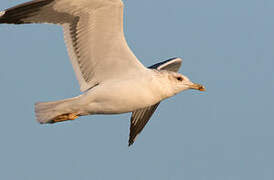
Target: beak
197, 87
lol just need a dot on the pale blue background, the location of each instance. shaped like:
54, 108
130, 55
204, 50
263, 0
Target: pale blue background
225, 133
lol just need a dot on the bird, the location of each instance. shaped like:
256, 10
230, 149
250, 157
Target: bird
111, 78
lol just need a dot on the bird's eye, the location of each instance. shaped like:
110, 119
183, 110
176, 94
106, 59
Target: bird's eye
179, 78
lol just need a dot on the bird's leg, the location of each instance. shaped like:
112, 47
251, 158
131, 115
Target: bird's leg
65, 117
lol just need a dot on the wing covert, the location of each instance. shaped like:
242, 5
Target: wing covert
97, 46
94, 35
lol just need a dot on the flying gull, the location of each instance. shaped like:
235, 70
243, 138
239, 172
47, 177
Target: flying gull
112, 79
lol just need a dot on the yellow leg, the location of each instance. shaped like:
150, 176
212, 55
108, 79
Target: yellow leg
65, 117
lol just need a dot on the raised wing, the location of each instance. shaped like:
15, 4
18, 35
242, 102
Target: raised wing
140, 117
93, 32
172, 64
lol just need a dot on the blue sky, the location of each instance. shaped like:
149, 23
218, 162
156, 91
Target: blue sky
225, 133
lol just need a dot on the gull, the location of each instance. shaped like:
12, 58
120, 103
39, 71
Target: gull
112, 80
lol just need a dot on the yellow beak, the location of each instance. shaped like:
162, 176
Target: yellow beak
197, 87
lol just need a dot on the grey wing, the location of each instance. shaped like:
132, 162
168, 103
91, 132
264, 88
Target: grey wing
94, 35
97, 46
138, 121
140, 117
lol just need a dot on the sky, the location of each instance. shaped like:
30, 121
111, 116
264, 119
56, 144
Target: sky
225, 133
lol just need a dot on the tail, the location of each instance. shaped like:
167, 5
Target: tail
56, 111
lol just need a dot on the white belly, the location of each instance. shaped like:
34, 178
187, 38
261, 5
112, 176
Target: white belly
116, 98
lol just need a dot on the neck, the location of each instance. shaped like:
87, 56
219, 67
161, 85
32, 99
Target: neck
161, 84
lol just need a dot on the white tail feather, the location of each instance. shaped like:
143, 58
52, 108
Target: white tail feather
46, 112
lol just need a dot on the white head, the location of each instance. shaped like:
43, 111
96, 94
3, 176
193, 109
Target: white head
179, 82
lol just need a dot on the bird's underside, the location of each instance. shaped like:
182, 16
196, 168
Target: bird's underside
139, 117
93, 32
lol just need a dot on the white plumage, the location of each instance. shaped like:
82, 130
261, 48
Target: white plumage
109, 74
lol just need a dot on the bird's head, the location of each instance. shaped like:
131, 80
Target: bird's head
180, 83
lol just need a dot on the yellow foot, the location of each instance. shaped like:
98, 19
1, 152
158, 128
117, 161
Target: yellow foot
64, 117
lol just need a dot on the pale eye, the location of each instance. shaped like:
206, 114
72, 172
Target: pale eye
179, 78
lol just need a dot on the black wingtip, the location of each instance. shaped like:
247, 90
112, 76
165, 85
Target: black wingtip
2, 13
11, 17
130, 143
18, 14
